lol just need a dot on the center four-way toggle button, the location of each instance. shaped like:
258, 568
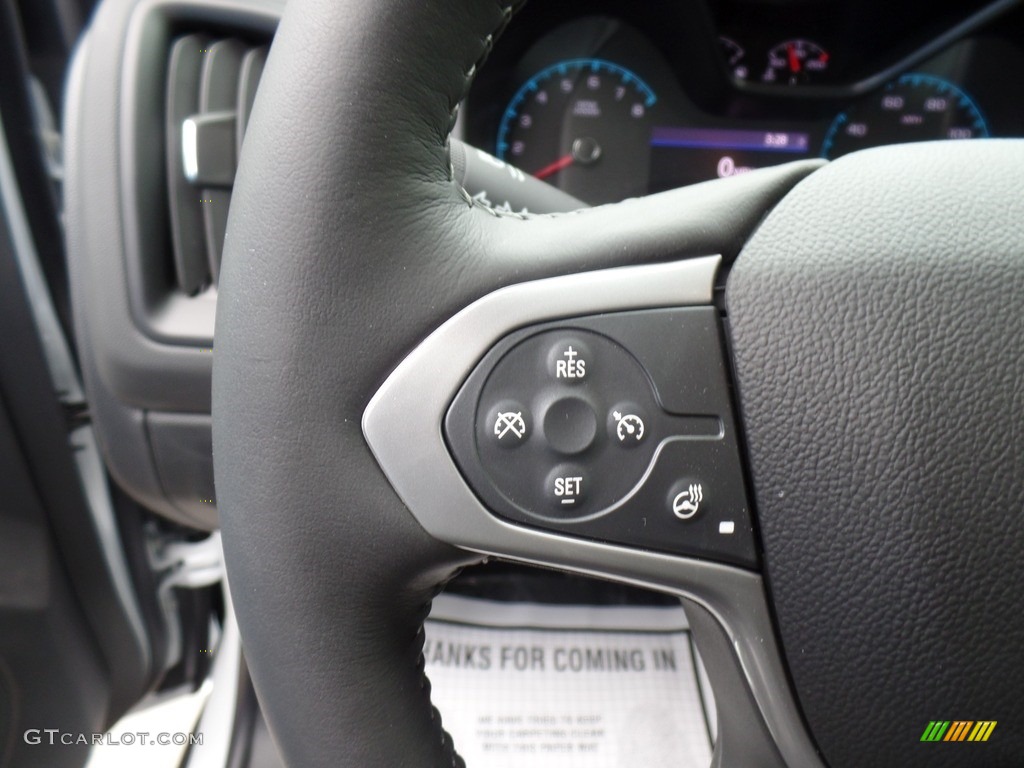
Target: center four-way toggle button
570, 425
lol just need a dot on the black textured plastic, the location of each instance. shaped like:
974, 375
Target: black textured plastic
878, 330
562, 427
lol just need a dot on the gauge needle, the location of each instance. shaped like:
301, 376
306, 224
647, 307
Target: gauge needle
794, 60
555, 167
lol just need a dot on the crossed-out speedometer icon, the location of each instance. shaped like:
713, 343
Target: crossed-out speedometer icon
510, 425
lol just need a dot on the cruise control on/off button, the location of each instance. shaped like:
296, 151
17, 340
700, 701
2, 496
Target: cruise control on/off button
508, 424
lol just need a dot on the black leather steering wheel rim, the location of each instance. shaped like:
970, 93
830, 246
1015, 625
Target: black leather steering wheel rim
322, 309
348, 242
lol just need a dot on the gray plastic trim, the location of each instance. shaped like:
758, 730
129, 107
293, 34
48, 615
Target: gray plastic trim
55, 346
164, 314
466, 610
217, 723
144, 347
69, 390
402, 425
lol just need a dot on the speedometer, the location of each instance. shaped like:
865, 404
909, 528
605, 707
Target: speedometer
584, 126
795, 62
913, 108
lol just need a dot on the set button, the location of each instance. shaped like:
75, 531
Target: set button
566, 486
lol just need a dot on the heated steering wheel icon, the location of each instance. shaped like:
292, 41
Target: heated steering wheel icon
686, 503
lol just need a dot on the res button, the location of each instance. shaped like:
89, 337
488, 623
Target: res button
569, 361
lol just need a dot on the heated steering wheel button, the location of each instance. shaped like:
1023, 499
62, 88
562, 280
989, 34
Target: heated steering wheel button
566, 486
570, 425
687, 498
508, 424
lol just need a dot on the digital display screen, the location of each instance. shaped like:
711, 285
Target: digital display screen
681, 156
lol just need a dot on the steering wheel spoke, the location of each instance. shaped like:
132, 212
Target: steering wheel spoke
402, 426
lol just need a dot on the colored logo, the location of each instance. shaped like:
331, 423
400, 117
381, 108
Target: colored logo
958, 730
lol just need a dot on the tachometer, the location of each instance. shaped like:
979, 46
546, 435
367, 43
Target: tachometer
584, 125
795, 62
735, 57
913, 108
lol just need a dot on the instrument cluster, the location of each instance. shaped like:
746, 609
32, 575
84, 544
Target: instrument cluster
619, 104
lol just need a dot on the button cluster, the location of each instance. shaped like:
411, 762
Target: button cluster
616, 428
561, 430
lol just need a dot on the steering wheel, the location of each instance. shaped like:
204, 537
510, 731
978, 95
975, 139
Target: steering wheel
873, 328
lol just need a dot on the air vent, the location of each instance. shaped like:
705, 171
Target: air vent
211, 85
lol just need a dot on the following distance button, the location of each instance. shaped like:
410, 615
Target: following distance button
627, 425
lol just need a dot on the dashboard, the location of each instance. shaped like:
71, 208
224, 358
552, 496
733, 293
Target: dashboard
608, 100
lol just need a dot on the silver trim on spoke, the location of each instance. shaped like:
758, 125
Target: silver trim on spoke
402, 425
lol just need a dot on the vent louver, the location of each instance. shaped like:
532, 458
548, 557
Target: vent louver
211, 85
